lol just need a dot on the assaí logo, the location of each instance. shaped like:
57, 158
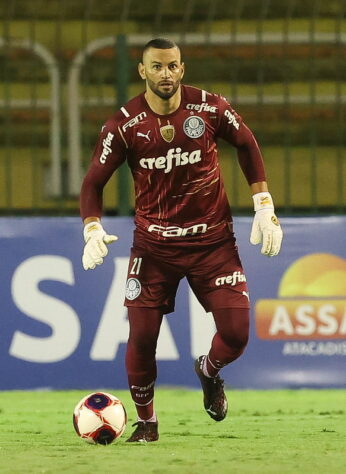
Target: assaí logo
311, 305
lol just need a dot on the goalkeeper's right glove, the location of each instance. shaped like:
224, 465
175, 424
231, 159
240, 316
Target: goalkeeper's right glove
266, 226
96, 241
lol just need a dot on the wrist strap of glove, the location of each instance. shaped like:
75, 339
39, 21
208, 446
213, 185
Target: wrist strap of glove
89, 228
262, 201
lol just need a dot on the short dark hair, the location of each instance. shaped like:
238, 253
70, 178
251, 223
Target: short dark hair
160, 43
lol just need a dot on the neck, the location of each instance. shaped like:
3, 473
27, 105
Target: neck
161, 106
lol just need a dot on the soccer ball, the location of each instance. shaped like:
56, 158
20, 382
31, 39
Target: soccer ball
99, 418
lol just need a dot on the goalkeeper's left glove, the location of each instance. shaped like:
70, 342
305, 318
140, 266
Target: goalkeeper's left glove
266, 227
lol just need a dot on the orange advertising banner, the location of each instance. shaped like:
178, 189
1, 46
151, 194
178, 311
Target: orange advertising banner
301, 319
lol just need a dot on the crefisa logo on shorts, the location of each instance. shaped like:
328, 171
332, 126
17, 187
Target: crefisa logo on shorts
232, 280
133, 288
194, 126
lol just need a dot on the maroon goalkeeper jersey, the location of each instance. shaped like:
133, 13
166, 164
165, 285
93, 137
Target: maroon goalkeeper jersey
173, 158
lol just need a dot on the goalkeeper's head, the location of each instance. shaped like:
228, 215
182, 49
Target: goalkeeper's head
161, 67
159, 43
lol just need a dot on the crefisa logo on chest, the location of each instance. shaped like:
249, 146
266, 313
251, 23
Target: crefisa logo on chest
194, 126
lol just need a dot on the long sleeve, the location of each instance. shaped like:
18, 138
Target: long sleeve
108, 155
232, 129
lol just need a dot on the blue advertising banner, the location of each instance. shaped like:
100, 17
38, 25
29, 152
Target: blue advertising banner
63, 327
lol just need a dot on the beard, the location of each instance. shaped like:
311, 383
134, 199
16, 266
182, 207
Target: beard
158, 90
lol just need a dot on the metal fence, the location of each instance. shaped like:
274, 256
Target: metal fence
67, 65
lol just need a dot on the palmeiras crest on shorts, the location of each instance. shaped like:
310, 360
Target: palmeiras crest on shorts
133, 288
194, 126
167, 132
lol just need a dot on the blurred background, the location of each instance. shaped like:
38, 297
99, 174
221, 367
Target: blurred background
67, 65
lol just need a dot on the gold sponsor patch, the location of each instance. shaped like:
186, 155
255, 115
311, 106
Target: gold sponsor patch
167, 133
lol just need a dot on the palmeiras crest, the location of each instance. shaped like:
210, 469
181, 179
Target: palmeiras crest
167, 133
194, 126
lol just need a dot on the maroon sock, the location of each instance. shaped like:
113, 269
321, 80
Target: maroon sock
140, 358
142, 383
230, 340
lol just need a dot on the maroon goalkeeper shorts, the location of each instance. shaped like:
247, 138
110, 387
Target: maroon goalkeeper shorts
213, 270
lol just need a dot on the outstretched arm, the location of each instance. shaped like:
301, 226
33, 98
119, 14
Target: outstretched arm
107, 157
266, 228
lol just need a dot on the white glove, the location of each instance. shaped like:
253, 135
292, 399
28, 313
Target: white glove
266, 227
95, 244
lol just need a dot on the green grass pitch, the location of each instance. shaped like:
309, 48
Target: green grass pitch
302, 431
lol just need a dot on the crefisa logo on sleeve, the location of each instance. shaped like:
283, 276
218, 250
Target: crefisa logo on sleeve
107, 142
310, 309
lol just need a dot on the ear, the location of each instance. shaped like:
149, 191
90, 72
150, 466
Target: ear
182, 70
141, 70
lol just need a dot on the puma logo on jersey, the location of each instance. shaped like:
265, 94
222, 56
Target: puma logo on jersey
174, 157
139, 134
107, 142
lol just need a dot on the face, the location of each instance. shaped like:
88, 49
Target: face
163, 70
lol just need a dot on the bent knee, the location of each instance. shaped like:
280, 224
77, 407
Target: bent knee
236, 341
233, 326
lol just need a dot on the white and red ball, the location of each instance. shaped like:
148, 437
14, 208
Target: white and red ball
99, 418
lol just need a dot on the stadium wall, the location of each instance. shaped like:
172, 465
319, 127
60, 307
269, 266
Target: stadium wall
64, 328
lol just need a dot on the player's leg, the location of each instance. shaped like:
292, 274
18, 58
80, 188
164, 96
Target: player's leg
152, 282
140, 357
219, 283
141, 369
228, 344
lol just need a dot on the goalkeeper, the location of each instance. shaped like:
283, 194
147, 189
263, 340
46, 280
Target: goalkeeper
168, 136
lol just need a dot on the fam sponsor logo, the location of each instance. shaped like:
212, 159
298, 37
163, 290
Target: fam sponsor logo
204, 107
175, 231
236, 277
134, 121
231, 119
143, 389
143, 392
311, 303
174, 157
107, 142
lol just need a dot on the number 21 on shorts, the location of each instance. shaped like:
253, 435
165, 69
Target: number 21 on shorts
136, 266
